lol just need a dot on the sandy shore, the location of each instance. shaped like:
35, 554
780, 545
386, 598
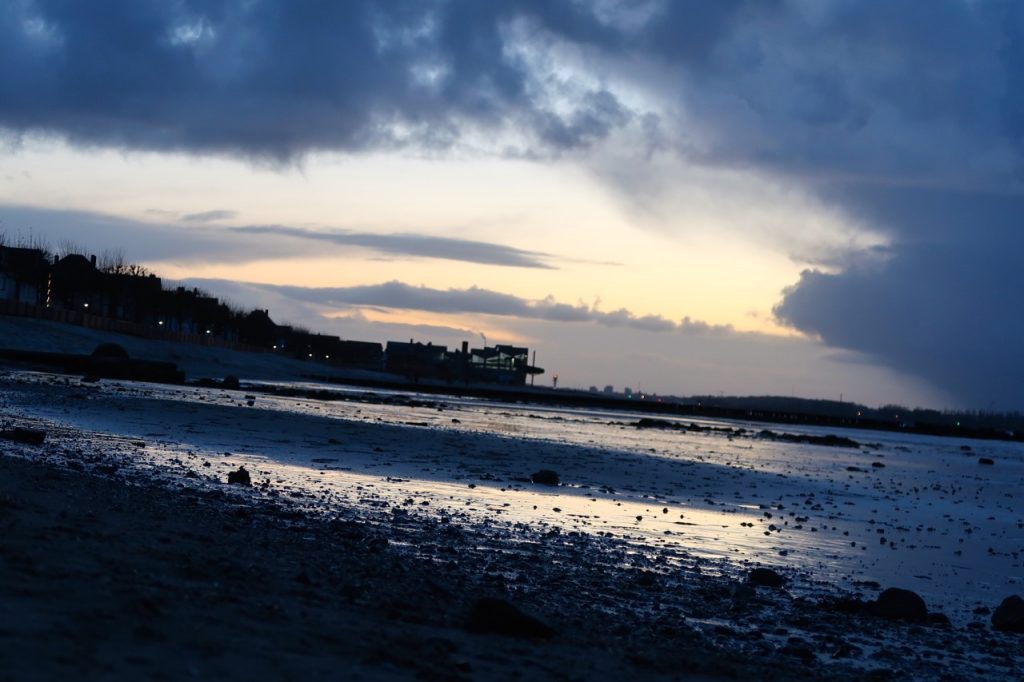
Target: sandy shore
107, 578
110, 573
382, 542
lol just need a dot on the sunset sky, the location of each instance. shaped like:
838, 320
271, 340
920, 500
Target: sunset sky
802, 197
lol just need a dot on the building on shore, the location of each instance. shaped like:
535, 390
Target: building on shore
126, 299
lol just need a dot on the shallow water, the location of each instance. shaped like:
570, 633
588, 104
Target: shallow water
931, 518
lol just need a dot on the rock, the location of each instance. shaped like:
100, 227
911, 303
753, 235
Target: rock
231, 382
544, 477
648, 423
985, 460
492, 616
878, 465
240, 477
23, 435
1009, 615
110, 351
899, 604
765, 577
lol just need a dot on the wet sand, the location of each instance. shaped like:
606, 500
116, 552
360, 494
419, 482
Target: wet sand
113, 567
105, 578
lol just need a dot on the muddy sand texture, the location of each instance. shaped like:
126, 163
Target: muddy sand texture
103, 579
106, 577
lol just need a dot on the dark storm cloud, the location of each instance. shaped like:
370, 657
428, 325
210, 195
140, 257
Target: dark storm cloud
908, 117
275, 79
938, 303
906, 114
474, 300
420, 245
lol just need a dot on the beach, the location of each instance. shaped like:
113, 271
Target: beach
374, 531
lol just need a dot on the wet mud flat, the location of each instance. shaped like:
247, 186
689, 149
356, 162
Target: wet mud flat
112, 571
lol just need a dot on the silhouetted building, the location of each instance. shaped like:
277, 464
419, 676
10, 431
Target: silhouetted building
24, 274
75, 284
415, 360
257, 329
492, 364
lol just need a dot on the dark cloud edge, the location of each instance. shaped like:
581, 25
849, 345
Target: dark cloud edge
163, 242
396, 295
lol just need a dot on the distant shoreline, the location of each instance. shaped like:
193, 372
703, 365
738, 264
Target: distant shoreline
575, 398
52, 344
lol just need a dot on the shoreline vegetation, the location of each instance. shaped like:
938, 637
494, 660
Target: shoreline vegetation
110, 573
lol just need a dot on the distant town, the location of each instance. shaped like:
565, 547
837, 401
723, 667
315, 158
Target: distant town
111, 294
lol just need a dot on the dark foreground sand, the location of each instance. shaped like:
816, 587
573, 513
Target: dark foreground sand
107, 574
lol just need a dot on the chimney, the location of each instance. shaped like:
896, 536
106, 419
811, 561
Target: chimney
92, 259
465, 347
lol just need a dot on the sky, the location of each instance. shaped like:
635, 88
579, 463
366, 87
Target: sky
792, 197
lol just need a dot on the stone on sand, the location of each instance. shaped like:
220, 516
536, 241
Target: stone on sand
765, 577
899, 604
23, 435
240, 477
1009, 615
545, 477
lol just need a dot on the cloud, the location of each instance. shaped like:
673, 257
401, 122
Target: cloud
623, 355
275, 79
140, 241
850, 88
475, 301
915, 133
419, 245
208, 216
155, 242
937, 303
